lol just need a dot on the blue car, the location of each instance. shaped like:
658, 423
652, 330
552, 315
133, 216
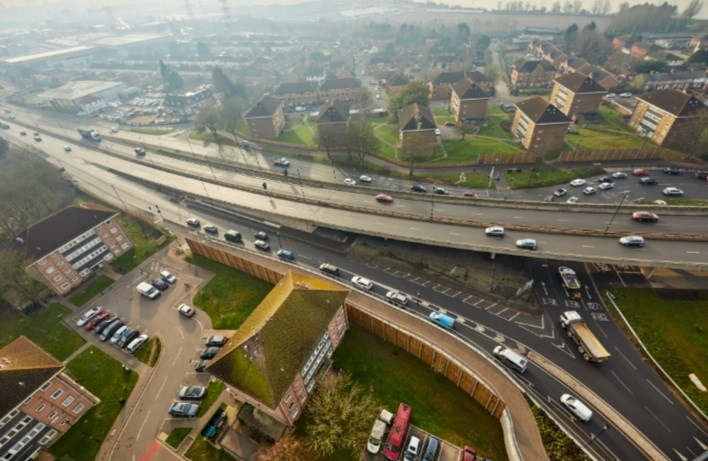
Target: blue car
286, 254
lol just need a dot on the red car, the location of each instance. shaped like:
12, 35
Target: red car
383, 198
468, 454
645, 216
96, 320
640, 172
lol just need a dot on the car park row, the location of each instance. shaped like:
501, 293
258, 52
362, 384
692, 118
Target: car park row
110, 328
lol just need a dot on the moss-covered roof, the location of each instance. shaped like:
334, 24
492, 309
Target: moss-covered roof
273, 344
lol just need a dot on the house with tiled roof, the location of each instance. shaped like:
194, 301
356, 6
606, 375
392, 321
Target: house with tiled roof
606, 79
539, 125
574, 64
274, 358
333, 124
395, 81
266, 119
677, 79
577, 95
440, 87
619, 42
640, 50
66, 248
662, 114
531, 74
468, 101
343, 89
297, 93
39, 402
416, 130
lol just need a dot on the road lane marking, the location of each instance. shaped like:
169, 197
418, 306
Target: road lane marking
693, 252
562, 220
144, 421
657, 418
662, 394
699, 428
620, 381
163, 385
625, 357
588, 246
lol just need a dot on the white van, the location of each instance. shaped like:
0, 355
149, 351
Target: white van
148, 290
510, 358
136, 344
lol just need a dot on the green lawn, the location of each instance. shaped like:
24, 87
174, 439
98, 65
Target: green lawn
297, 132
438, 405
153, 131
177, 436
613, 119
442, 116
231, 296
544, 177
43, 326
144, 237
146, 355
589, 139
243, 129
202, 450
495, 116
673, 330
214, 389
387, 132
95, 287
472, 147
106, 379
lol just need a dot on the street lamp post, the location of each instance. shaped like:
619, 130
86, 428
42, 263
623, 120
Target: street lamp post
432, 203
641, 150
625, 194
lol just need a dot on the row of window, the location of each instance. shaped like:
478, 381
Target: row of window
82, 249
72, 243
90, 256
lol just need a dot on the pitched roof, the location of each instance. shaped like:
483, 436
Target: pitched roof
541, 112
396, 79
265, 354
264, 108
415, 118
523, 66
295, 87
24, 367
448, 77
577, 63
476, 76
49, 234
340, 84
334, 112
674, 102
467, 89
579, 83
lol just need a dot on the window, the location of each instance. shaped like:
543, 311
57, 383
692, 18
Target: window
77, 409
60, 263
65, 286
40, 408
57, 393
28, 400
53, 416
58, 277
119, 238
114, 230
68, 401
49, 270
47, 437
288, 397
64, 422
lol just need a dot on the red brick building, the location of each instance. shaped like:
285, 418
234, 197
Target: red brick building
540, 126
333, 124
416, 131
577, 95
266, 118
468, 101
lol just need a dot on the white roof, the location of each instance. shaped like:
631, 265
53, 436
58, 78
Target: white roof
65, 52
130, 39
75, 90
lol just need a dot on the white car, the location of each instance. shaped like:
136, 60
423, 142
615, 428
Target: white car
88, 315
610, 95
282, 162
114, 130
364, 178
396, 297
494, 231
632, 241
626, 95
527, 244
589, 190
67, 148
169, 278
560, 192
573, 199
437, 131
619, 175
577, 182
606, 186
578, 408
675, 191
349, 182
362, 282
185, 310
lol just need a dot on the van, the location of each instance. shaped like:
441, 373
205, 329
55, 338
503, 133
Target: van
411, 453
329, 269
148, 290
431, 449
510, 358
233, 236
136, 344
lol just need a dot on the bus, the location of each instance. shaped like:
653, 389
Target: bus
394, 442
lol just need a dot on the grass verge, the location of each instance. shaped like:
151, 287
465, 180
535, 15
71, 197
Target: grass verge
44, 327
202, 450
687, 202
95, 287
557, 444
229, 297
149, 354
540, 178
177, 436
145, 239
298, 132
152, 131
106, 379
214, 390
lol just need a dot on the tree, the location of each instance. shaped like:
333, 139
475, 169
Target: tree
592, 46
467, 128
692, 136
203, 51
362, 139
483, 43
645, 67
699, 57
172, 80
14, 277
230, 114
570, 36
414, 92
208, 117
692, 9
463, 33
340, 412
556, 8
223, 85
286, 449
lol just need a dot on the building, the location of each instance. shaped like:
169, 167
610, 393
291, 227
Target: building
82, 95
531, 74
65, 248
274, 358
574, 64
342, 89
416, 131
468, 101
266, 118
641, 50
333, 124
577, 95
39, 402
540, 126
441, 86
606, 79
190, 98
309, 94
136, 46
395, 81
66, 58
661, 115
677, 79
297, 93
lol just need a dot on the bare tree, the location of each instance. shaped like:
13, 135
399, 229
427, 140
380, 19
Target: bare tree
692, 9
208, 117
14, 277
286, 449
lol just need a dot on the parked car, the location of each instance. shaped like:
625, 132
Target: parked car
201, 365
672, 191
672, 171
260, 235
110, 329
383, 198
215, 341
645, 216
137, 343
610, 95
589, 190
67, 148
572, 200
578, 408
625, 95
282, 162
396, 297
185, 310
619, 175
560, 192
129, 335
98, 329
640, 172
606, 186
184, 409
431, 449
88, 315
632, 241
211, 229
362, 282
193, 222
440, 191
419, 188
364, 178
349, 182
208, 353
23, 133
115, 337
140, 151
602, 179
468, 454
160, 284
411, 453
286, 255
494, 231
168, 277
577, 182
527, 244
261, 245
100, 317
192, 392
647, 181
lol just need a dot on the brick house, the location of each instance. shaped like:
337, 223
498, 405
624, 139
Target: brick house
332, 124
641, 50
576, 95
343, 89
661, 115
468, 101
395, 81
606, 79
440, 86
310, 94
39, 402
297, 93
574, 64
68, 246
416, 130
676, 79
541, 126
266, 118
620, 41
531, 74
274, 358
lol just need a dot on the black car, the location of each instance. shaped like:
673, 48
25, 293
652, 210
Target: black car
160, 284
201, 365
260, 235
124, 341
440, 191
647, 181
419, 188
208, 353
672, 171
104, 323
215, 341
605, 179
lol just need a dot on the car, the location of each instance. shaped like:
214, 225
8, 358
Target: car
578, 408
470, 194
160, 284
602, 179
362, 282
606, 186
440, 191
286, 255
260, 235
67, 148
383, 198
23, 133
632, 241
437, 132
37, 138
560, 192
648, 181
114, 130
672, 171
673, 191
396, 297
659, 202
419, 188
168, 277
110, 329
128, 335
349, 182
282, 161
193, 222
184, 409
185, 310
589, 190
261, 245
103, 324
140, 151
494, 231
468, 454
364, 178
12, 117
619, 175
640, 172
208, 353
645, 216
610, 95
411, 453
625, 95
211, 229
100, 317
192, 392
215, 341
115, 337
87, 316
35, 133
201, 365
572, 200
431, 449
577, 182
527, 244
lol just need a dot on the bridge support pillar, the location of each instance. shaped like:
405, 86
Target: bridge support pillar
492, 255
650, 273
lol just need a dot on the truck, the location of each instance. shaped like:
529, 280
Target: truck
588, 344
443, 320
91, 135
570, 281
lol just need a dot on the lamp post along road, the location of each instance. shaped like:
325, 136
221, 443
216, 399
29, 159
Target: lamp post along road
625, 194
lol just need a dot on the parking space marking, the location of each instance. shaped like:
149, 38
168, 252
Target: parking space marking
478, 302
452, 295
487, 308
